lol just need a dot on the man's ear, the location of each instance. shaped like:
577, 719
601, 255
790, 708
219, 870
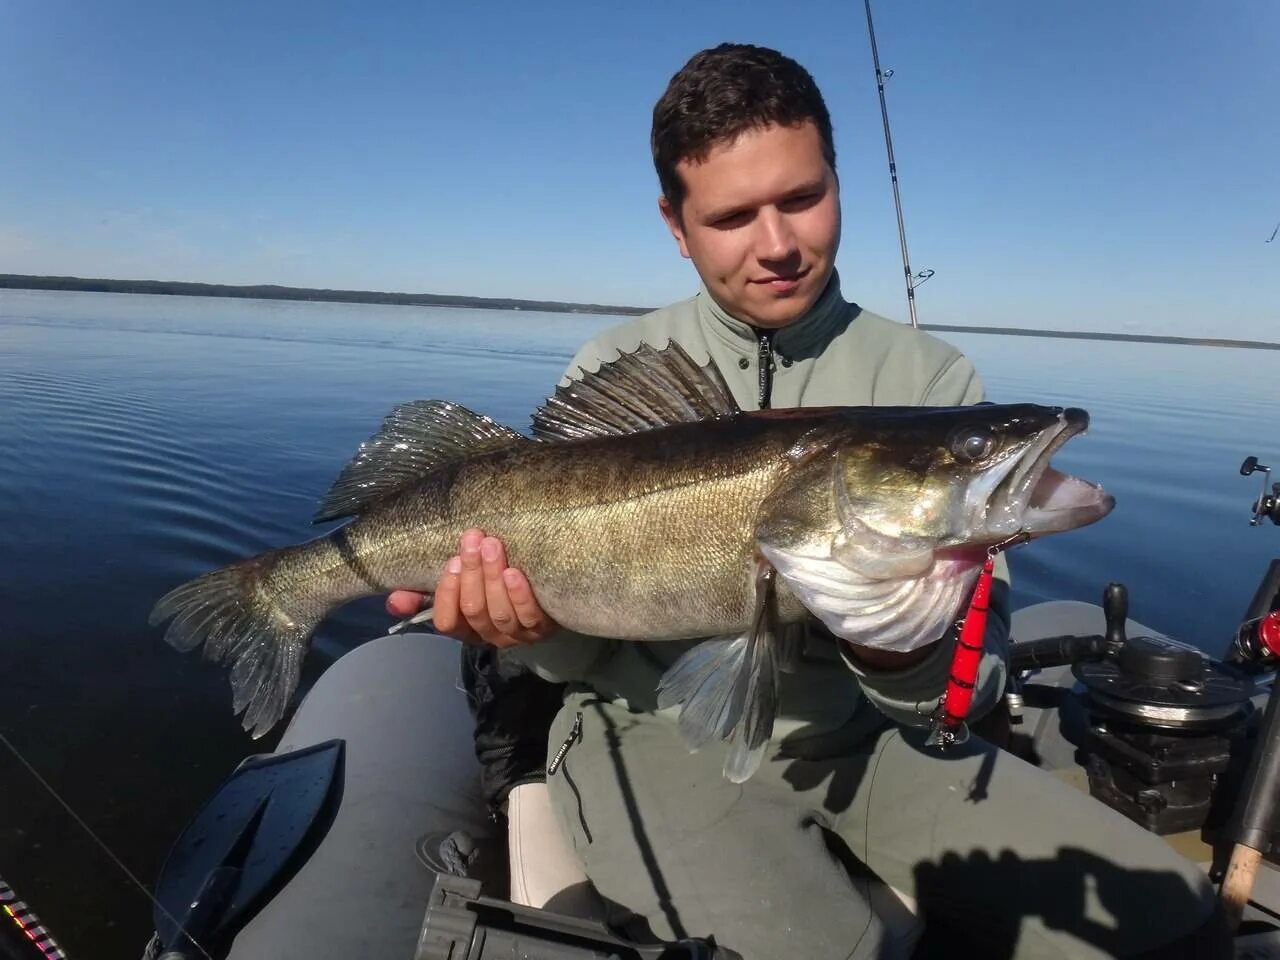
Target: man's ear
672, 219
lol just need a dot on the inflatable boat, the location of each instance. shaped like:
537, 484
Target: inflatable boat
358, 835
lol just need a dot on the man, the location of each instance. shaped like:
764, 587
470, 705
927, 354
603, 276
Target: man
849, 814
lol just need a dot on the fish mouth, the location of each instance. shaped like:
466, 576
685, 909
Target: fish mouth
1039, 499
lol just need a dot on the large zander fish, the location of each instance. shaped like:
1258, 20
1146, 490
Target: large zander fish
648, 506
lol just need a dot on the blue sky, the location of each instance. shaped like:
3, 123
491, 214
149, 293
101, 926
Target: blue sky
1085, 165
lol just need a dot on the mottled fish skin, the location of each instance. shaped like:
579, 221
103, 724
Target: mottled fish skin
642, 537
660, 530
647, 536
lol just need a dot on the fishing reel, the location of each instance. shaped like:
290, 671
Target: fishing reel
1158, 725
1268, 502
1256, 645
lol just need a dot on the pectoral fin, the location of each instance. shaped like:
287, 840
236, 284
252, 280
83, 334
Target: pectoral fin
728, 687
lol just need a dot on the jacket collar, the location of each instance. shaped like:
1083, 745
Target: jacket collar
827, 316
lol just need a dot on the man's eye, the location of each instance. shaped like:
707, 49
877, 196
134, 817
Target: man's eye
730, 220
801, 202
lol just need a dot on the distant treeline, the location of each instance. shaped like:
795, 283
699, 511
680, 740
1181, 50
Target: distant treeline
271, 291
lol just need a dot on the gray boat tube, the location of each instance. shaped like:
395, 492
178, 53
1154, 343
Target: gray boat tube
410, 770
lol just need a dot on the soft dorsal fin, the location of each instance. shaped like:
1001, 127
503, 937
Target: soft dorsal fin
641, 390
414, 439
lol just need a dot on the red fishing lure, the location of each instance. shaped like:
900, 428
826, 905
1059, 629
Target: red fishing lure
948, 726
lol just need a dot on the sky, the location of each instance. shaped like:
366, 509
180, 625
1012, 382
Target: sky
1092, 165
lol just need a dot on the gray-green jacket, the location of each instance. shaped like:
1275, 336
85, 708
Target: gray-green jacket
837, 354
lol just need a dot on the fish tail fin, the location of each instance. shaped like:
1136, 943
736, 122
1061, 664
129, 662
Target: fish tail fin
728, 690
239, 620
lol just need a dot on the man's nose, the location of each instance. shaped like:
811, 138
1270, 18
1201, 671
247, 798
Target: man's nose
775, 240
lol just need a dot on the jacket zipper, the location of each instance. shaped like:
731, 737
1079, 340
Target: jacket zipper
575, 736
764, 359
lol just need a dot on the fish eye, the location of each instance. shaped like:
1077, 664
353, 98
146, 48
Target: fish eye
972, 444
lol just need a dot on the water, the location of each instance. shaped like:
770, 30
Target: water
148, 439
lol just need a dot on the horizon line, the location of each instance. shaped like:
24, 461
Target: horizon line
272, 291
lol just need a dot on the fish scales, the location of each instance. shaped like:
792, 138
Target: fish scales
660, 527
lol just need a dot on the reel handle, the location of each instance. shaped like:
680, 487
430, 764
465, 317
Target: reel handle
1115, 607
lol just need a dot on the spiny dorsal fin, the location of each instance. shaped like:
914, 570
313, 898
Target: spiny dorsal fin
642, 390
415, 438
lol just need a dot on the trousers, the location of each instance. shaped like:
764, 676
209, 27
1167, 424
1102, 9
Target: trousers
994, 856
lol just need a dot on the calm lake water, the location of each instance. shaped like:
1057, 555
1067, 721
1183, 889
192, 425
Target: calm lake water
149, 439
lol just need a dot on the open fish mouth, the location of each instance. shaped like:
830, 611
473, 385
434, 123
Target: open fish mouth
1038, 499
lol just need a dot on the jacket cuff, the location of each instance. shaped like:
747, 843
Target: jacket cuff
565, 656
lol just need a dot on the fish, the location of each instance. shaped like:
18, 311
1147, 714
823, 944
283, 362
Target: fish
645, 505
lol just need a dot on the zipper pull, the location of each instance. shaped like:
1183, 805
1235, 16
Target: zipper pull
575, 736
764, 360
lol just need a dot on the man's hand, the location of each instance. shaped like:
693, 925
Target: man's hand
479, 599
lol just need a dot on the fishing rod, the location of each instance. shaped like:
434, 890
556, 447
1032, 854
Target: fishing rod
1250, 830
913, 280
22, 914
29, 924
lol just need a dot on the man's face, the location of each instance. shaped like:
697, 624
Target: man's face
761, 223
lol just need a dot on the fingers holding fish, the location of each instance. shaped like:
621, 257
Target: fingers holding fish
514, 615
447, 615
535, 623
482, 599
473, 599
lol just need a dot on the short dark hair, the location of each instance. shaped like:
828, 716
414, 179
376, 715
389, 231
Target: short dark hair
721, 93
